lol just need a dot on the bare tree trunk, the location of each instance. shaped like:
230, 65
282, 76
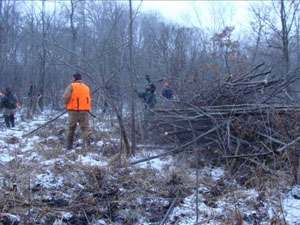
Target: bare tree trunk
1, 30
259, 33
298, 41
298, 170
84, 34
287, 18
31, 99
284, 37
74, 34
43, 68
133, 138
298, 65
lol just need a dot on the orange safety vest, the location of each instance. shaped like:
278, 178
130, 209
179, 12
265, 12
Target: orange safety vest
80, 99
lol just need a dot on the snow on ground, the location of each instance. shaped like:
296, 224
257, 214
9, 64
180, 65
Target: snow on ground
157, 163
41, 155
92, 160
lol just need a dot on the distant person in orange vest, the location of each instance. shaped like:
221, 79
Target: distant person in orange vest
77, 100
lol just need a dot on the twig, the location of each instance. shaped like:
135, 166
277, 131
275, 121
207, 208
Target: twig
247, 155
288, 145
246, 74
271, 138
264, 167
50, 121
232, 165
279, 89
168, 212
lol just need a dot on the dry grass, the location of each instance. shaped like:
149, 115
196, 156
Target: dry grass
11, 140
119, 193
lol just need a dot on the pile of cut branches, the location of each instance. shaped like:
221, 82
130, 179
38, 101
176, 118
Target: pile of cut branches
249, 120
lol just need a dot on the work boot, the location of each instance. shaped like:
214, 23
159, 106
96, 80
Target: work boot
69, 143
12, 120
6, 119
87, 145
88, 142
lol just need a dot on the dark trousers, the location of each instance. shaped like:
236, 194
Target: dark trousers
10, 120
9, 117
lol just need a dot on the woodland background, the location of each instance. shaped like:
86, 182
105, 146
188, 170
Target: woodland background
115, 47
236, 106
46, 45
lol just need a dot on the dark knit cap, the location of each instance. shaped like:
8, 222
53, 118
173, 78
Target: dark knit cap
77, 76
7, 89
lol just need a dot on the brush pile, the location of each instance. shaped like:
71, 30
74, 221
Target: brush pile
245, 121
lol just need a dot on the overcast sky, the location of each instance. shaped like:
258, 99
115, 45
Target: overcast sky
200, 13
209, 14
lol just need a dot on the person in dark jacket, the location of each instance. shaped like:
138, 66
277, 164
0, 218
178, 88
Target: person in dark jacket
9, 103
148, 96
167, 93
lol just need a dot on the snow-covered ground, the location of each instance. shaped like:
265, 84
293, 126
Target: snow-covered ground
38, 169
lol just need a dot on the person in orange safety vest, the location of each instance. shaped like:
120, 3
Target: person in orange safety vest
77, 100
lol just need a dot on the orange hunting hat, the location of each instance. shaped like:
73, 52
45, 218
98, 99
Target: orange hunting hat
166, 84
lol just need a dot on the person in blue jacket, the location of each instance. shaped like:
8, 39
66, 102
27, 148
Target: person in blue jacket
167, 93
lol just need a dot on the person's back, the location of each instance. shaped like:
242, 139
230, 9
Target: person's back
148, 96
167, 92
9, 102
78, 103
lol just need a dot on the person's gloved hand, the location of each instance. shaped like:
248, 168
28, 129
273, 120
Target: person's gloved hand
148, 78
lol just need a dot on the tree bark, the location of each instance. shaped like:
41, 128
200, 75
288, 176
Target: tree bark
73, 32
43, 64
284, 37
133, 138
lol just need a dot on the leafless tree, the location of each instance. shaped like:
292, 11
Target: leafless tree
133, 131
